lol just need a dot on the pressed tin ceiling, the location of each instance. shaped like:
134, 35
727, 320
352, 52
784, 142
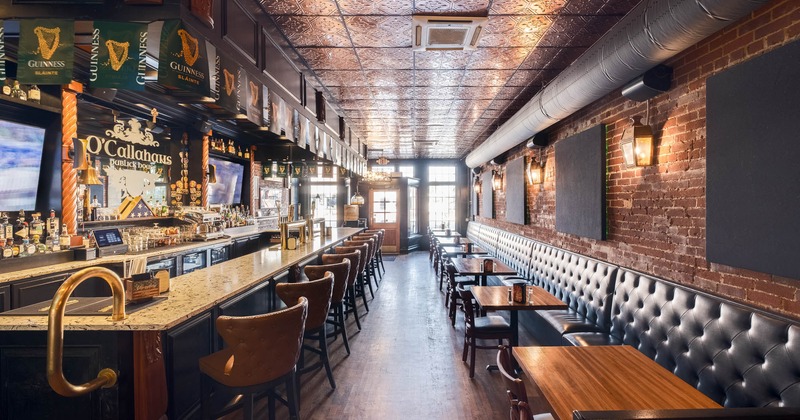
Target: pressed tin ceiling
435, 104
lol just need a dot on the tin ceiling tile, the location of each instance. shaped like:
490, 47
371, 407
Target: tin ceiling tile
443, 60
486, 77
390, 77
500, 104
375, 7
540, 58
498, 58
330, 58
478, 92
450, 6
380, 31
436, 92
352, 92
342, 78
514, 31
522, 78
386, 58
392, 92
527, 7
438, 77
314, 31
301, 7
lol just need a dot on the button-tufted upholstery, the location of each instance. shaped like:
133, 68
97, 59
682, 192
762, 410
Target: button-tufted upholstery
737, 355
487, 238
515, 252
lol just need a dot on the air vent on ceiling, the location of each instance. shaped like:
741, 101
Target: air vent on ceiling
432, 33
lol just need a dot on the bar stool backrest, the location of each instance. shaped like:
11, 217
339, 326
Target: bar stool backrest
318, 293
264, 347
341, 273
363, 248
370, 246
353, 257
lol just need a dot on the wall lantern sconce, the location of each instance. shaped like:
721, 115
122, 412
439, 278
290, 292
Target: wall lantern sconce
476, 184
497, 180
535, 171
637, 144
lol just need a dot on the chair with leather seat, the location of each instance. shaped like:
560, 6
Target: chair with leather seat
318, 293
262, 353
491, 327
341, 274
359, 289
376, 272
382, 234
515, 390
366, 270
349, 304
454, 285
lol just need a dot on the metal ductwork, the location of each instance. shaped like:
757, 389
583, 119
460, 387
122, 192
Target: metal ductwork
651, 33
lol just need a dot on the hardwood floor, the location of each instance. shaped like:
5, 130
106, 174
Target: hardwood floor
406, 362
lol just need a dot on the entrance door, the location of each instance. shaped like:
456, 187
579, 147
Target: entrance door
384, 215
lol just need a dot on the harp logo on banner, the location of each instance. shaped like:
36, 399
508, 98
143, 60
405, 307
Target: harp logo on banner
327, 171
267, 167
297, 170
111, 64
179, 65
251, 95
2, 51
342, 171
228, 84
283, 170
45, 51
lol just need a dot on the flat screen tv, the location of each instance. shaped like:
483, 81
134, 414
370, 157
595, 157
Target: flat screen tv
20, 165
228, 188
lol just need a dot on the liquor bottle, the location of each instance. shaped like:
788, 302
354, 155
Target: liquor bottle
20, 228
247, 153
231, 148
52, 243
3, 224
95, 204
15, 249
40, 246
239, 151
63, 239
17, 92
8, 246
34, 94
7, 87
37, 225
53, 224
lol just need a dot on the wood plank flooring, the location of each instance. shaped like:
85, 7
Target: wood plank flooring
406, 362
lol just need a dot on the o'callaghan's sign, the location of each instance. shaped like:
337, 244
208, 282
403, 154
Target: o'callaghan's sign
130, 146
182, 59
46, 51
118, 53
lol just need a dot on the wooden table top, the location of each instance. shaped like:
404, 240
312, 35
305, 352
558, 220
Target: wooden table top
442, 234
605, 378
459, 249
452, 240
495, 298
474, 266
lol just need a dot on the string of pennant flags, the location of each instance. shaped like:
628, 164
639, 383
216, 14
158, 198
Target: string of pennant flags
118, 60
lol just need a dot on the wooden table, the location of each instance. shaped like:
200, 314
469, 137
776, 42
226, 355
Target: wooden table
495, 298
605, 378
460, 251
443, 234
474, 267
452, 240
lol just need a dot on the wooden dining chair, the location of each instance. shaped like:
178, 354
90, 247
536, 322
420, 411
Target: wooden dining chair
491, 327
515, 390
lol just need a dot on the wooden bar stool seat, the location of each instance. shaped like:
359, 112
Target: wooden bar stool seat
341, 273
262, 353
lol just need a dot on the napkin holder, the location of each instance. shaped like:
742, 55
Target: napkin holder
518, 292
141, 287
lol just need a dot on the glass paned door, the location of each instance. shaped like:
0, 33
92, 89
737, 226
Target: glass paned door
384, 215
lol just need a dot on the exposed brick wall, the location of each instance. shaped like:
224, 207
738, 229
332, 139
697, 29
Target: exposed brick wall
656, 214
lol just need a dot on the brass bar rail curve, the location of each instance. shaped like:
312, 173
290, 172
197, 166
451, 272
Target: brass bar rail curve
106, 378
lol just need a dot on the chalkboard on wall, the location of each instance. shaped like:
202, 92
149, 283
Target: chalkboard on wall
581, 184
752, 155
487, 195
515, 191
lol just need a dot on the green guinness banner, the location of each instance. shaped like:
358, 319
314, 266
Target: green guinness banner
298, 170
117, 58
182, 59
267, 168
228, 84
283, 170
327, 171
46, 51
251, 95
2, 51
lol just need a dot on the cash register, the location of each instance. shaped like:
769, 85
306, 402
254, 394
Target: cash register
109, 242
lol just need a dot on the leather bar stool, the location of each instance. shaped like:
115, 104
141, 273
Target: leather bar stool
318, 293
382, 233
492, 327
262, 353
373, 262
349, 302
367, 271
341, 273
359, 289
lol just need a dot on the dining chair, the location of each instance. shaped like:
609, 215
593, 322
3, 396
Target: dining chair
491, 327
515, 390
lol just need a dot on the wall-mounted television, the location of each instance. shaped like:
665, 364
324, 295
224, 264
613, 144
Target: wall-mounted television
21, 151
228, 188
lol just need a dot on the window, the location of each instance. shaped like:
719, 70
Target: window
323, 193
412, 210
385, 210
406, 170
442, 197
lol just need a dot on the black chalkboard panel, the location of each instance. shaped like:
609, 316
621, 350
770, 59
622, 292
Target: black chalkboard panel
514, 181
753, 164
487, 196
580, 184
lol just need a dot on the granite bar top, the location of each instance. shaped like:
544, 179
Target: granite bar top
151, 254
193, 293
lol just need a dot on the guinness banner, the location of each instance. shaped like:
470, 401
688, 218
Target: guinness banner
182, 59
267, 168
228, 84
117, 57
46, 51
327, 171
250, 92
283, 170
2, 51
298, 170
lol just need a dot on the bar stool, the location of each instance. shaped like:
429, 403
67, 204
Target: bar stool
261, 353
492, 327
318, 293
382, 233
341, 272
358, 288
379, 243
367, 271
374, 259
349, 301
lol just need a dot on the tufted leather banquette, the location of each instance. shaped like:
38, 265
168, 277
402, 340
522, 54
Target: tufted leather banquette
737, 355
